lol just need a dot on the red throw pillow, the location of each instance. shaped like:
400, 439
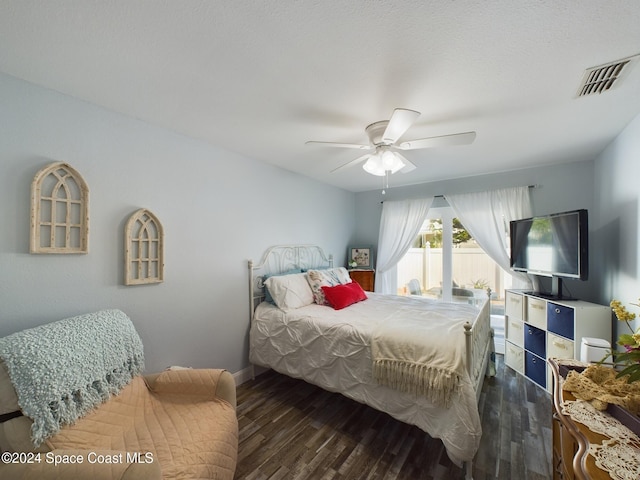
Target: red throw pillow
341, 296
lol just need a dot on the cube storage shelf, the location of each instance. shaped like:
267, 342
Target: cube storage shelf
538, 328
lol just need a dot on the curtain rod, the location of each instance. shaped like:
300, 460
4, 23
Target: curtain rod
528, 186
535, 185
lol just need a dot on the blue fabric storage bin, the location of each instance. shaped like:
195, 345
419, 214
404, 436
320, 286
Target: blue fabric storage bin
535, 340
560, 320
535, 368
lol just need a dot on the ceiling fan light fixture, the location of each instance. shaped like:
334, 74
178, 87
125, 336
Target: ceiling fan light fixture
373, 165
384, 136
383, 161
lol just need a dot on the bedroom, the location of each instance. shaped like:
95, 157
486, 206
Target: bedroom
220, 208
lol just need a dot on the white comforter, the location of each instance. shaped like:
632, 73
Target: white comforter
332, 349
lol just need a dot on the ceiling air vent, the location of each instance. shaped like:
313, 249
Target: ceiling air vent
602, 78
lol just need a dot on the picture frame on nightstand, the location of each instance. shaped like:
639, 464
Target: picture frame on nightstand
362, 256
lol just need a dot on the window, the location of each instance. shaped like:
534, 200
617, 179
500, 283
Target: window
144, 249
424, 260
59, 211
448, 264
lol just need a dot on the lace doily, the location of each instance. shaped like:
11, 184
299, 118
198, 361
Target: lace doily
620, 455
601, 386
621, 460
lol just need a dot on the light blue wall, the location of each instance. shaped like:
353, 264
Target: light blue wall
617, 221
560, 188
218, 209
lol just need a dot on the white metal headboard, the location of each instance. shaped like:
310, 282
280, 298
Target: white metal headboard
280, 259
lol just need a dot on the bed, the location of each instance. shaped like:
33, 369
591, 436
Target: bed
346, 350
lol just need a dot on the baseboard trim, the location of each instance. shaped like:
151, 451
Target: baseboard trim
248, 373
244, 375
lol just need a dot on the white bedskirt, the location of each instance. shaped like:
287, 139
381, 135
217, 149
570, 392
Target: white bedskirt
332, 349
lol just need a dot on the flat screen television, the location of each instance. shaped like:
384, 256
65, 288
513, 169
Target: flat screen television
555, 246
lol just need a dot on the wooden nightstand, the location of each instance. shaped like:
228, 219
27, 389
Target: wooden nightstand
364, 277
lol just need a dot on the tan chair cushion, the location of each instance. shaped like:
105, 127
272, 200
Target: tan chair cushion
186, 419
191, 436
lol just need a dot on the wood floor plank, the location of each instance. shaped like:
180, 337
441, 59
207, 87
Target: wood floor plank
293, 430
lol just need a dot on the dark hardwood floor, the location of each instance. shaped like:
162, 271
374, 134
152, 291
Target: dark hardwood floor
293, 430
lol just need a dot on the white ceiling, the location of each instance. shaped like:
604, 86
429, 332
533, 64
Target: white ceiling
262, 77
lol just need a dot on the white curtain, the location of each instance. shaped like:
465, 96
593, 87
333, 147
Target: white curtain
486, 216
399, 226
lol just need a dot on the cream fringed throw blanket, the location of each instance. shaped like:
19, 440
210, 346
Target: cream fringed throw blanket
421, 353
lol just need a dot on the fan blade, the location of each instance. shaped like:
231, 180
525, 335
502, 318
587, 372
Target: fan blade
352, 162
340, 145
400, 122
442, 141
408, 166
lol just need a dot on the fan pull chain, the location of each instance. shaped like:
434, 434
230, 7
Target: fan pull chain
385, 182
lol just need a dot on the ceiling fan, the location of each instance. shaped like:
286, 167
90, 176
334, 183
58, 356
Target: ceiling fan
384, 135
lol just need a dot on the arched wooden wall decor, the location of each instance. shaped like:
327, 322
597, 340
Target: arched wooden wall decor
144, 249
59, 211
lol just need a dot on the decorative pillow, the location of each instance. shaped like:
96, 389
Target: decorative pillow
342, 296
267, 293
290, 291
326, 278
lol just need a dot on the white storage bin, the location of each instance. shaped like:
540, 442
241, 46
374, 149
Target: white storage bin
593, 350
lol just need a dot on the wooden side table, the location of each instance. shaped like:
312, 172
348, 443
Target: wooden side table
572, 439
365, 277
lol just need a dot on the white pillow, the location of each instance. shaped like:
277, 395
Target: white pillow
290, 291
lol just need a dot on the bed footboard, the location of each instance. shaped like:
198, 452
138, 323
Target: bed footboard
478, 345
